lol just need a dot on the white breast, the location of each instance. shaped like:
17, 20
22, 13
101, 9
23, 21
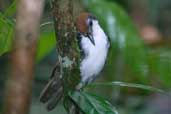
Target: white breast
96, 54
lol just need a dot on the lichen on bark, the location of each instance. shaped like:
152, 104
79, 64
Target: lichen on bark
67, 47
64, 14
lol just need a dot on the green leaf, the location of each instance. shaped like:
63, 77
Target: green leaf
160, 64
92, 104
46, 44
125, 84
7, 29
47, 39
125, 39
11, 10
6, 34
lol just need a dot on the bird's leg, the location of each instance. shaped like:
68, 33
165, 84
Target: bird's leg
80, 86
61, 65
57, 70
74, 109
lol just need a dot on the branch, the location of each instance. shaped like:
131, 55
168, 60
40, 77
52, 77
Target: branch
19, 84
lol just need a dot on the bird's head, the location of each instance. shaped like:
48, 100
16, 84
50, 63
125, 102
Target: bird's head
84, 25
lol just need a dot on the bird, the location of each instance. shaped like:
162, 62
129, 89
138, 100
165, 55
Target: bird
94, 46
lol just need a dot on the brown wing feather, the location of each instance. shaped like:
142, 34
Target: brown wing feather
53, 91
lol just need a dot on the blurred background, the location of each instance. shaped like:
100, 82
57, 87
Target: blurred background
140, 31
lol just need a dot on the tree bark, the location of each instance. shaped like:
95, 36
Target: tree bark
66, 41
19, 84
67, 47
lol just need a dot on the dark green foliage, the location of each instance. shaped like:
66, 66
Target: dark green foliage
160, 64
92, 104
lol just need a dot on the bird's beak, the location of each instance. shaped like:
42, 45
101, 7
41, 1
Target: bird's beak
91, 39
90, 35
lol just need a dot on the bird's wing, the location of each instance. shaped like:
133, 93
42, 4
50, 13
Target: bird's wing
53, 91
79, 37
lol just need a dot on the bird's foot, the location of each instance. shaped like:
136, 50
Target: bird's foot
79, 86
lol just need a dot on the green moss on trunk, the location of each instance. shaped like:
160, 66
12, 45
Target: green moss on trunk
66, 42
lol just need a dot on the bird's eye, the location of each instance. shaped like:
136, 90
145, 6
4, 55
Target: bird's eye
89, 22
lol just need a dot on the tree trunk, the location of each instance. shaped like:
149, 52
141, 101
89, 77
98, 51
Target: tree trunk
19, 84
67, 47
66, 41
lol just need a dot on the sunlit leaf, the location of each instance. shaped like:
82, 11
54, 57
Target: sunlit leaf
92, 104
46, 44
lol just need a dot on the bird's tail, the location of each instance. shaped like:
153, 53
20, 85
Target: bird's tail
52, 93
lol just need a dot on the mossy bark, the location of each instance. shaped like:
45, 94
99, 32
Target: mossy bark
67, 46
65, 12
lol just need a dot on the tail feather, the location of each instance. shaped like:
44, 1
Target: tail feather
55, 99
52, 93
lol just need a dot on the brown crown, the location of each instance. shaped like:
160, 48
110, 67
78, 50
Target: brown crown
81, 22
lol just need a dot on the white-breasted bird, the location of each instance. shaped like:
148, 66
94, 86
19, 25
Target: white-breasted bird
94, 46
